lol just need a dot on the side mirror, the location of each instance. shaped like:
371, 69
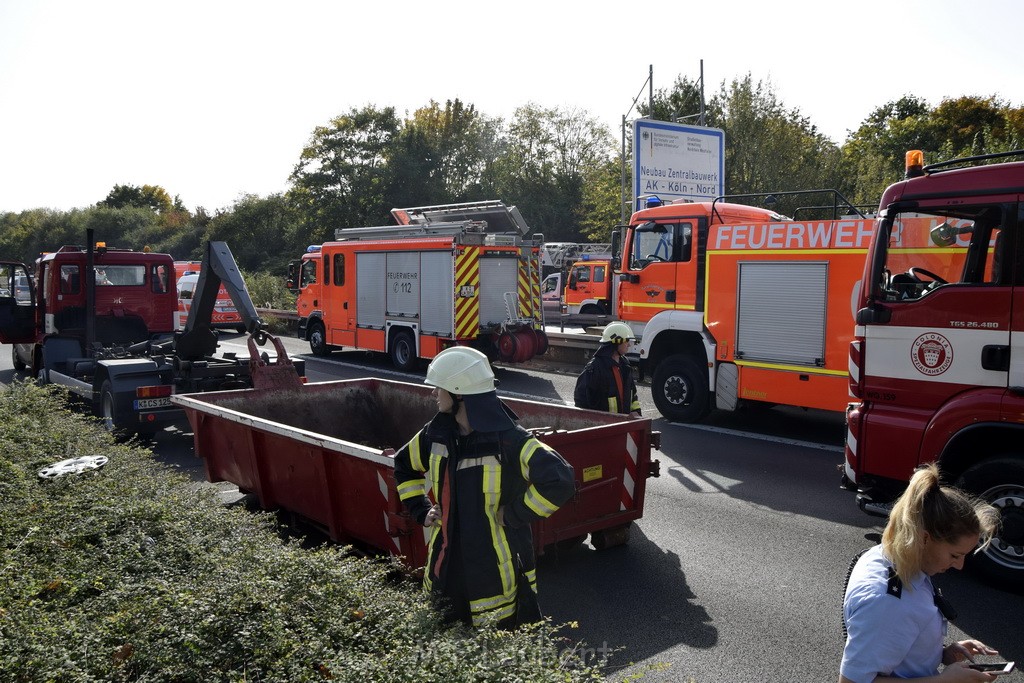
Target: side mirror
873, 315
616, 243
944, 234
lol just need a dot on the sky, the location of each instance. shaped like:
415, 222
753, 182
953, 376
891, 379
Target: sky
215, 99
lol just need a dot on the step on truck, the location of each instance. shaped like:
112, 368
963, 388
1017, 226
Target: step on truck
325, 452
937, 362
101, 322
737, 305
444, 275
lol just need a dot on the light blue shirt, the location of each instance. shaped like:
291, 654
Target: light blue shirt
890, 636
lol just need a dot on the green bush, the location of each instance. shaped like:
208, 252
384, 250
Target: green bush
268, 291
132, 572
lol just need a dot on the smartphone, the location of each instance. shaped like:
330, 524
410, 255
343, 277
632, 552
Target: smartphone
995, 668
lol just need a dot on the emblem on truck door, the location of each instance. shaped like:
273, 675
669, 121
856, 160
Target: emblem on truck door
931, 353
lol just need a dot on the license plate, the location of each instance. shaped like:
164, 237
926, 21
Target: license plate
144, 403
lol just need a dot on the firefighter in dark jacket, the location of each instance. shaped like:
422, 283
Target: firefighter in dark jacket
607, 383
478, 480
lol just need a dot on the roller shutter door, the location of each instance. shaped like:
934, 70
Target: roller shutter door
781, 316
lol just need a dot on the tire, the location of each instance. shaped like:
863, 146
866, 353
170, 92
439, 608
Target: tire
318, 340
403, 350
108, 408
609, 538
18, 364
680, 389
241, 329
1000, 482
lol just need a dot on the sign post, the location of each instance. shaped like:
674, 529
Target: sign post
677, 161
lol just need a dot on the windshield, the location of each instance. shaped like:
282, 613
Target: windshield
925, 251
123, 275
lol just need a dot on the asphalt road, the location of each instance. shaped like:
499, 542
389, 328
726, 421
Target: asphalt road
734, 573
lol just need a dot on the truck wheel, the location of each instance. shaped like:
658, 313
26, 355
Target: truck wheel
1000, 482
18, 364
403, 350
318, 340
609, 538
108, 409
680, 389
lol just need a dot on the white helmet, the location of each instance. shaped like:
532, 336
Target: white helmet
461, 370
616, 333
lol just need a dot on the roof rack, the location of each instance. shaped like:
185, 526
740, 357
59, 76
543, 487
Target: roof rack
964, 162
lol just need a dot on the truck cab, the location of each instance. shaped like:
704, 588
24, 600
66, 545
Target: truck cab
937, 360
133, 298
551, 294
589, 289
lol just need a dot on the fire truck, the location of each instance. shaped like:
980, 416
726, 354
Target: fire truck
100, 321
444, 275
735, 304
937, 363
225, 315
589, 288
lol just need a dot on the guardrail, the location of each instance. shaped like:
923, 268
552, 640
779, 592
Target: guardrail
580, 319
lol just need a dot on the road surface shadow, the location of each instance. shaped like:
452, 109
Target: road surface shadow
635, 604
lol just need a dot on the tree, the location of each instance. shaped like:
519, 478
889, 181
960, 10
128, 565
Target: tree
544, 157
152, 197
770, 148
263, 233
681, 102
440, 155
599, 210
342, 176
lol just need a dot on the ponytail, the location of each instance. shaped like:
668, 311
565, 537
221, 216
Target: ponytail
945, 513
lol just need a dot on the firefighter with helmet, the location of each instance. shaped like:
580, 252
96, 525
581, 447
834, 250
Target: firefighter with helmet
477, 480
606, 382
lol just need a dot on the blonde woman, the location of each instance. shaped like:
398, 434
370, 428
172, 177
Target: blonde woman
891, 610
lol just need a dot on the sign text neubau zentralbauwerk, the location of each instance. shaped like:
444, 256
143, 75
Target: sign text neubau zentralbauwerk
676, 161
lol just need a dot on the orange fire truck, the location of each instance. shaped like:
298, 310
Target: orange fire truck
734, 303
445, 275
589, 289
937, 363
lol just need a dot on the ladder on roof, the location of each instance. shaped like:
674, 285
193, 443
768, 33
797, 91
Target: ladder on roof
417, 230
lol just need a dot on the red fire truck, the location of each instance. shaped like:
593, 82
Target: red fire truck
734, 304
224, 312
937, 363
445, 275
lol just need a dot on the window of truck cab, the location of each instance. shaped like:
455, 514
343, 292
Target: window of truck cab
123, 275
924, 250
660, 243
307, 274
